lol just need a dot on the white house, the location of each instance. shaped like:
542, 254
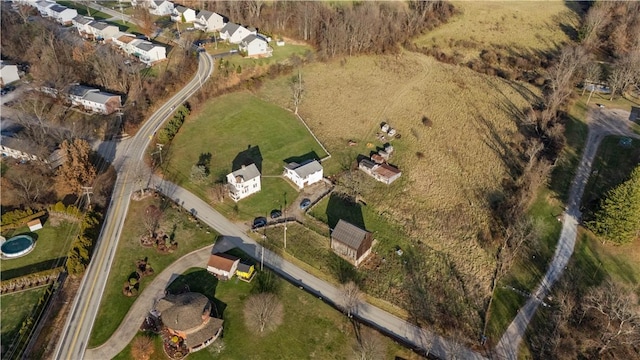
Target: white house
234, 33
223, 266
244, 182
149, 53
82, 24
62, 14
181, 13
307, 173
102, 31
254, 45
43, 7
160, 7
17, 149
8, 73
94, 100
209, 21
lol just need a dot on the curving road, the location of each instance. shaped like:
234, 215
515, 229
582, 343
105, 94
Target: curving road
380, 319
77, 330
601, 123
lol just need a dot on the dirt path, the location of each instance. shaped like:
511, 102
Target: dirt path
601, 123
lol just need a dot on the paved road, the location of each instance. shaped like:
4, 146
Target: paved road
601, 123
77, 330
387, 323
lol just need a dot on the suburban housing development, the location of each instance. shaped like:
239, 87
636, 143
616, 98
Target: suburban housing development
403, 179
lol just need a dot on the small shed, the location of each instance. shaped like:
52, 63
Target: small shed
384, 127
351, 242
392, 131
384, 154
389, 149
34, 225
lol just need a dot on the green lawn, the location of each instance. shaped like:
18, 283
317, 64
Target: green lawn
240, 129
126, 26
612, 166
52, 245
14, 309
82, 10
302, 243
311, 328
115, 305
280, 54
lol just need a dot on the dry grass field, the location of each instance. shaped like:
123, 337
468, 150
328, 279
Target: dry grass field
449, 169
523, 26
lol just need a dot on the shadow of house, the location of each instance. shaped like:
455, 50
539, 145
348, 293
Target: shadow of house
341, 208
302, 158
251, 155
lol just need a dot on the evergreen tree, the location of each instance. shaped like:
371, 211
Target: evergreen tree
618, 218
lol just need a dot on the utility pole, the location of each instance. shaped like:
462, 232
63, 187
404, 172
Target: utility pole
159, 151
88, 190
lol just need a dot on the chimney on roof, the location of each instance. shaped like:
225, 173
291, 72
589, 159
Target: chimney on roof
244, 166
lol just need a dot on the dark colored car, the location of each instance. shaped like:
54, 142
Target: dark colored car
259, 222
276, 214
305, 203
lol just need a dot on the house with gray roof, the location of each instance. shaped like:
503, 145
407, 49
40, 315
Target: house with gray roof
94, 100
255, 46
189, 317
160, 7
62, 14
307, 173
8, 73
243, 182
100, 30
209, 21
183, 14
351, 242
234, 33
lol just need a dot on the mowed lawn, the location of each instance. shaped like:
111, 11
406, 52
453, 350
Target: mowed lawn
310, 329
450, 170
189, 235
523, 26
52, 245
14, 309
239, 129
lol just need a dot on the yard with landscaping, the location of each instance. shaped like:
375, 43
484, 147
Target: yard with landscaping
311, 328
14, 309
52, 245
178, 225
240, 129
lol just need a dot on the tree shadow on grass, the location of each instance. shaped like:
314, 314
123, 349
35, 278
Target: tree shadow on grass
340, 208
32, 268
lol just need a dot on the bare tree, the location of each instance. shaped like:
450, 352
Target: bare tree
596, 19
142, 348
616, 311
217, 193
146, 24
592, 73
297, 87
151, 219
77, 171
263, 312
369, 346
625, 73
30, 182
350, 297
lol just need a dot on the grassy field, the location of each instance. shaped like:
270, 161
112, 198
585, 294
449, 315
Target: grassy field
311, 328
239, 129
612, 166
441, 198
14, 309
52, 245
525, 27
189, 235
82, 10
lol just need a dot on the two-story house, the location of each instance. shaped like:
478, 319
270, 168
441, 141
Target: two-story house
183, 14
234, 33
255, 46
62, 14
160, 7
243, 182
209, 21
307, 173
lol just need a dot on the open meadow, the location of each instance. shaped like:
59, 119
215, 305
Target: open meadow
442, 198
240, 129
522, 27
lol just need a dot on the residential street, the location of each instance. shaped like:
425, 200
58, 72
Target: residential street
77, 330
601, 123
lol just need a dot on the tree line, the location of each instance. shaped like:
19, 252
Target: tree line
339, 29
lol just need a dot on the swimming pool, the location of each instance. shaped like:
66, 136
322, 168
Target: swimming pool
17, 246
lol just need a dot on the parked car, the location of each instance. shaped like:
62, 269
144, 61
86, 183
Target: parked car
259, 222
305, 203
276, 214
